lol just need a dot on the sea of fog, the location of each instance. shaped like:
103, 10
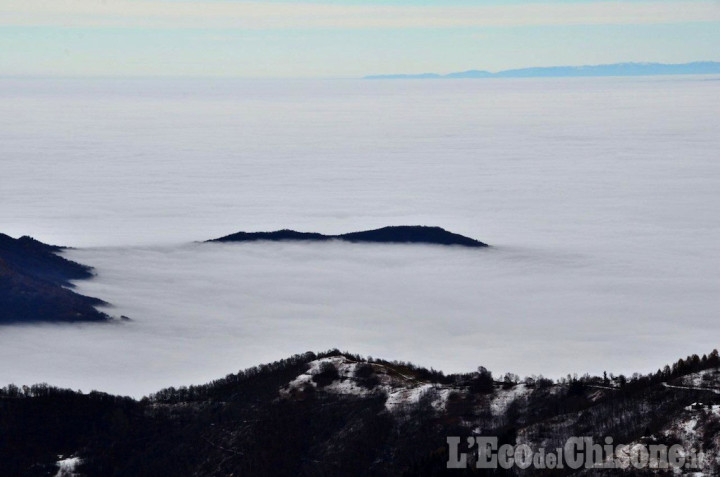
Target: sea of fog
600, 198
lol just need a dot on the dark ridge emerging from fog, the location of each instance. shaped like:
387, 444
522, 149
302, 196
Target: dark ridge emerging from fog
396, 234
616, 69
32, 284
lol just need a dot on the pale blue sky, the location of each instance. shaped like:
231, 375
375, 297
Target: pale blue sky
342, 38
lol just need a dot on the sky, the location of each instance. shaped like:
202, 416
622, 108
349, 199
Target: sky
344, 38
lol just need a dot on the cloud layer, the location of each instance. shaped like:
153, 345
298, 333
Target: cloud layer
599, 195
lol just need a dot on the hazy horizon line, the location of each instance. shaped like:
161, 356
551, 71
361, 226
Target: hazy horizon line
445, 75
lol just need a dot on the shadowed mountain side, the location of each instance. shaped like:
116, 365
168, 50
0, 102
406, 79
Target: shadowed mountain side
394, 234
33, 281
41, 260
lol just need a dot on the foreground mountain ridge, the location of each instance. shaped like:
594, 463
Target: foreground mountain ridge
336, 413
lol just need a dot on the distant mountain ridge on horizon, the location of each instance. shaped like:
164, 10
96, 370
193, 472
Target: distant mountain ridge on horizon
614, 69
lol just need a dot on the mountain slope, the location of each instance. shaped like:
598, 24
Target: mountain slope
34, 281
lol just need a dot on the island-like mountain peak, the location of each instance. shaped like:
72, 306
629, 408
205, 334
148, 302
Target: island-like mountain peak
418, 234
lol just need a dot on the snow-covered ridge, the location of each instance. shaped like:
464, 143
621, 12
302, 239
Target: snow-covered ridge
402, 390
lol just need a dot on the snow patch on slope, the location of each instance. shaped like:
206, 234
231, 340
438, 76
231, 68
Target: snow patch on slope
706, 379
67, 466
402, 391
504, 397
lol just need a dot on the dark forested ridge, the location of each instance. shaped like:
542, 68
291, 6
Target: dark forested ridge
393, 234
339, 414
34, 281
